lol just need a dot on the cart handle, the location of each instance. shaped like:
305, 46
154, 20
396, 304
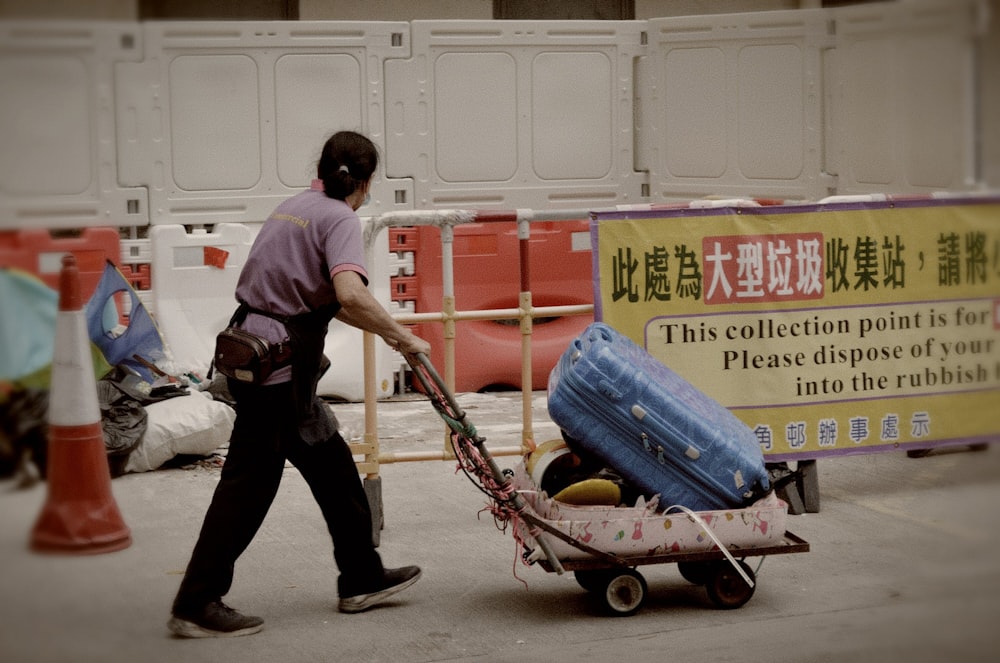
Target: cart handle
458, 423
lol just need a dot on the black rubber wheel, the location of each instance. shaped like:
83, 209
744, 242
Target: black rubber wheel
593, 580
726, 587
624, 592
696, 573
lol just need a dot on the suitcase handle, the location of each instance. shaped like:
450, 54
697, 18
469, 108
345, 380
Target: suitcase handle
600, 330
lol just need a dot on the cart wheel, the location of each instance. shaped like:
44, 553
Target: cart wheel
593, 580
696, 573
624, 592
726, 587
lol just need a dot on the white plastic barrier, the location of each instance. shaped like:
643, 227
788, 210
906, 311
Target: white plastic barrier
230, 120
733, 105
194, 280
903, 97
513, 114
797, 105
194, 284
213, 123
221, 119
58, 163
225, 119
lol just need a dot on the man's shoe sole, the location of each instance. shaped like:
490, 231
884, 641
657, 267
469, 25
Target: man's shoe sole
187, 629
362, 602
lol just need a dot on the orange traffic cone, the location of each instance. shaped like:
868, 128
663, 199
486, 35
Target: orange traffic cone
80, 514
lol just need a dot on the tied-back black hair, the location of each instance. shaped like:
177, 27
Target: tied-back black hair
348, 161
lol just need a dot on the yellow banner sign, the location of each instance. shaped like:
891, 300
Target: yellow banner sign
827, 329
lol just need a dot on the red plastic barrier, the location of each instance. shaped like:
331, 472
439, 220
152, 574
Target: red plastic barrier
404, 288
39, 252
402, 240
138, 276
487, 276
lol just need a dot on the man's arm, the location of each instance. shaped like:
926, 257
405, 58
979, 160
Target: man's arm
360, 309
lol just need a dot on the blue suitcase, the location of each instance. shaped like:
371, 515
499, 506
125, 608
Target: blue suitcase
614, 400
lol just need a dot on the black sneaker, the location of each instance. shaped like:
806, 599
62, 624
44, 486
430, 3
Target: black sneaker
393, 581
214, 620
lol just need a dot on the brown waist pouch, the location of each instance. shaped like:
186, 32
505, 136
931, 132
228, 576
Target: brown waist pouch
247, 357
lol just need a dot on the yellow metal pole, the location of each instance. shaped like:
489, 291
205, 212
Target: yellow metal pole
409, 456
527, 430
448, 314
527, 323
371, 409
448, 309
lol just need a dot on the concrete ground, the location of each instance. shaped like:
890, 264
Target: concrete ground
904, 566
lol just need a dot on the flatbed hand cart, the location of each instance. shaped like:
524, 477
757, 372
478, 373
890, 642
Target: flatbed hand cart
721, 568
623, 588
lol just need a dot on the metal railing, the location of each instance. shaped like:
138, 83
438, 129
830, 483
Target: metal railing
525, 313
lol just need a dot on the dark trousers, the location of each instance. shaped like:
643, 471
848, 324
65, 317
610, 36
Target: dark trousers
264, 436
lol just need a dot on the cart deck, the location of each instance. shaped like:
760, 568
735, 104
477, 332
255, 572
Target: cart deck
701, 556
790, 543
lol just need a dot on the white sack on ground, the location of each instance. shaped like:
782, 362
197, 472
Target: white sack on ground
193, 424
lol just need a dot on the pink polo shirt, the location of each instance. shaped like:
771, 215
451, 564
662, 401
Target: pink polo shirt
306, 241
